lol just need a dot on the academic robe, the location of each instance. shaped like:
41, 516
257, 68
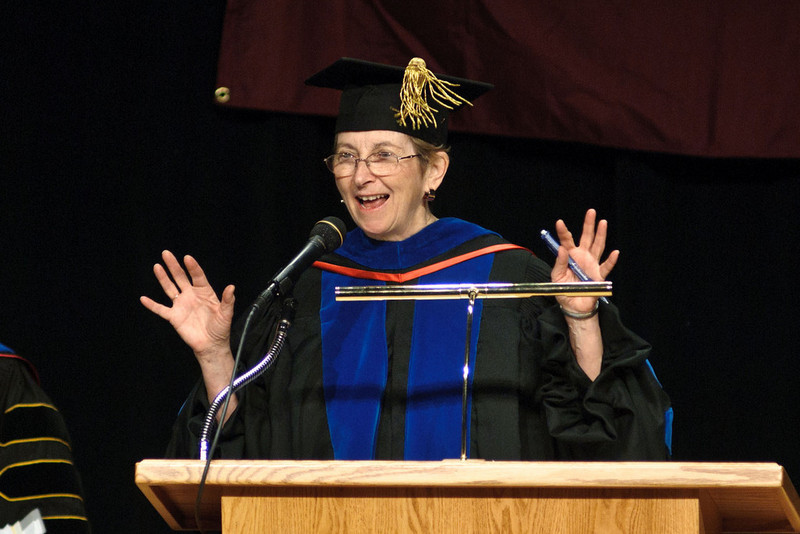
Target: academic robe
36, 465
383, 379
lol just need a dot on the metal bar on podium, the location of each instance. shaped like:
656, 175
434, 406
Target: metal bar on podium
471, 292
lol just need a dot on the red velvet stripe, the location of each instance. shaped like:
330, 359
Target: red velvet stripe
416, 273
33, 370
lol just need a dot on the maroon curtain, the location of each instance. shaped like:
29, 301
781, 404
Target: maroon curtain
699, 78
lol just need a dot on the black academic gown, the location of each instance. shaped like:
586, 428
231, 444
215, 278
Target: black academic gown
529, 398
36, 466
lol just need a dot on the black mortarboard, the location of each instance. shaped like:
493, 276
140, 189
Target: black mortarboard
410, 100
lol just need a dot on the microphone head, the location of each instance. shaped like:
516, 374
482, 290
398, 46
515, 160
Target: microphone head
331, 230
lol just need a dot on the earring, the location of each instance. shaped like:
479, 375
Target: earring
430, 195
341, 201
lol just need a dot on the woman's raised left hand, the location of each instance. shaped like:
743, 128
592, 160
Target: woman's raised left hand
587, 254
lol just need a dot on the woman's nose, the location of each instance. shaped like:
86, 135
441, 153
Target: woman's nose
362, 174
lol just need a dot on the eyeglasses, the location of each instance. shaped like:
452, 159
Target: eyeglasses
344, 164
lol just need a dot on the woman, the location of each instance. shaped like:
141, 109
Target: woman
553, 378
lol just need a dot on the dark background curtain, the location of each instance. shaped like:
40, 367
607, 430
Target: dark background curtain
113, 150
708, 78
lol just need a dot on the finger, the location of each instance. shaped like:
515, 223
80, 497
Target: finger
607, 266
587, 234
165, 281
159, 309
599, 243
195, 271
561, 266
564, 235
177, 272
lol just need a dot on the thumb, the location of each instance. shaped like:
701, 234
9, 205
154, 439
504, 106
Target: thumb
228, 298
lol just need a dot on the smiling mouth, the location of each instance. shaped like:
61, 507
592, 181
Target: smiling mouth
372, 201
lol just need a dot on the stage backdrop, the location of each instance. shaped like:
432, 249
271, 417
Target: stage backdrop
707, 78
112, 149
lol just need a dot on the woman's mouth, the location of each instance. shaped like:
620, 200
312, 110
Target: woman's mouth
372, 201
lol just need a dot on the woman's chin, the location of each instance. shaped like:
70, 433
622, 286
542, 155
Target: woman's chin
374, 231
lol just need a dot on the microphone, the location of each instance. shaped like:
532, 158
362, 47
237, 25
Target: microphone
326, 236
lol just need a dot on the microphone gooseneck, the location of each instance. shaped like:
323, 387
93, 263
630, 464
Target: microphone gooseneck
326, 236
266, 362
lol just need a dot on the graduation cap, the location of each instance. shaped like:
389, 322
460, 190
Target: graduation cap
411, 100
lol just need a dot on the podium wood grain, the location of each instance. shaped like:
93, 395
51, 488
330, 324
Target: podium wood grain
474, 496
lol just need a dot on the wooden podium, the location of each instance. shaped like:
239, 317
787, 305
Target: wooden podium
473, 496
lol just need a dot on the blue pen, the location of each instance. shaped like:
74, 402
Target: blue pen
553, 245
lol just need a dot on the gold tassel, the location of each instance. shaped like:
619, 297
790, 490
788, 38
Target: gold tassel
419, 83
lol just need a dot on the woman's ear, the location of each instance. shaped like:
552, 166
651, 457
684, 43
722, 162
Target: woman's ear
437, 168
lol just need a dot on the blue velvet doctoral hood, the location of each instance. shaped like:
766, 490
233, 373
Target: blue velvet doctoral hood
355, 353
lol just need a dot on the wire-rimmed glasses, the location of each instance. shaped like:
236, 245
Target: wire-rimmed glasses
381, 163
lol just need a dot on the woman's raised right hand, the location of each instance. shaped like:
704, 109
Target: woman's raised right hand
201, 319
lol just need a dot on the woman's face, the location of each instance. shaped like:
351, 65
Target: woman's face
392, 207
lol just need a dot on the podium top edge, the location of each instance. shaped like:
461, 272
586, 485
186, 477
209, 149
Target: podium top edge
465, 473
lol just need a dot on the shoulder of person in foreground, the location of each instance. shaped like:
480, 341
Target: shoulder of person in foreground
36, 465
